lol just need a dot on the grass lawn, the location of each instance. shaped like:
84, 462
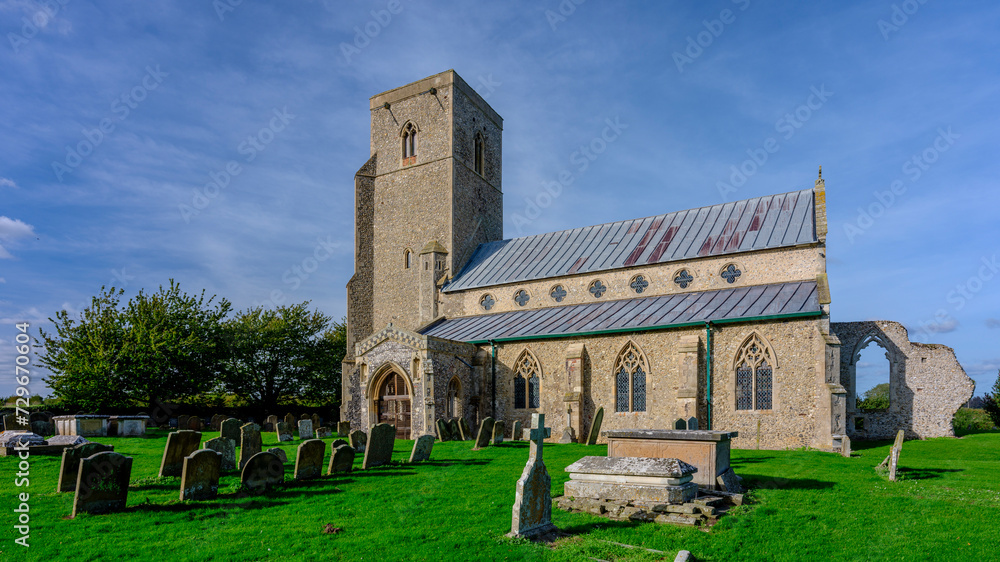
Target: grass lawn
806, 506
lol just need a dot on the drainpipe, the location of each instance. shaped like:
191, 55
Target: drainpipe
493, 369
708, 369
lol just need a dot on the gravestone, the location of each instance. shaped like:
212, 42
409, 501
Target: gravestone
845, 446
442, 428
730, 482
195, 424
317, 421
323, 432
568, 436
179, 445
290, 419
71, 458
359, 441
338, 442
595, 426
306, 429
183, 421
422, 448
309, 459
283, 430
269, 423
262, 471
250, 442
226, 448
217, 420
897, 448
485, 434
378, 451
343, 428
532, 512
515, 432
102, 483
200, 477
280, 453
498, 429
341, 459
11, 423
455, 429
465, 430
230, 429
305, 417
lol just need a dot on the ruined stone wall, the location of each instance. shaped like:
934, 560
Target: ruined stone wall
361, 286
927, 385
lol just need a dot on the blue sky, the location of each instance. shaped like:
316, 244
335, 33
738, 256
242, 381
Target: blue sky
117, 116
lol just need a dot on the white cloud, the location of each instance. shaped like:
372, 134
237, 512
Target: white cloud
10, 230
5, 182
2, 280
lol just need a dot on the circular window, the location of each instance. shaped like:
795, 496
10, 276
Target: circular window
522, 297
597, 288
730, 273
487, 302
558, 293
683, 279
639, 283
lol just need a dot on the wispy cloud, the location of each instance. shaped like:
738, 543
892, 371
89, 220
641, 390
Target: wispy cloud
12, 230
5, 182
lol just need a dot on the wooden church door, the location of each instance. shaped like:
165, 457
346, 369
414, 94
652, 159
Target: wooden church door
394, 405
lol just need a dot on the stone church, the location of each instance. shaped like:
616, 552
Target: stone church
720, 313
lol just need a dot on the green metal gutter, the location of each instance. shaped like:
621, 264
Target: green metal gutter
708, 370
493, 368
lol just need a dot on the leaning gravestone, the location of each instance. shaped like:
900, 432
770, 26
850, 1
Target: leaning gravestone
455, 430
498, 429
71, 458
280, 453
422, 448
379, 448
359, 440
200, 477
179, 445
515, 432
464, 427
306, 429
443, 433
230, 429
262, 471
343, 428
897, 448
102, 483
341, 459
290, 419
226, 448
250, 442
532, 512
485, 434
283, 430
309, 459
595, 426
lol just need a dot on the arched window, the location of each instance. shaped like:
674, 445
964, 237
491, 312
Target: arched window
409, 143
452, 404
407, 259
754, 365
631, 369
527, 381
479, 150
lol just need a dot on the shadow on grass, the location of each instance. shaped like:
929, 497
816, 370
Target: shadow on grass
757, 481
964, 432
865, 444
450, 462
737, 463
181, 507
603, 523
924, 473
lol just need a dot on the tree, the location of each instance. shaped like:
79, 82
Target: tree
162, 345
282, 352
992, 402
876, 398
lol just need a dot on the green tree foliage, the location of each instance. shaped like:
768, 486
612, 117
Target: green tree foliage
164, 345
876, 398
992, 402
280, 353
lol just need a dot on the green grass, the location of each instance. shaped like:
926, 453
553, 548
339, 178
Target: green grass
807, 506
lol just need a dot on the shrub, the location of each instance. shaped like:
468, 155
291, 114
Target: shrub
971, 419
992, 405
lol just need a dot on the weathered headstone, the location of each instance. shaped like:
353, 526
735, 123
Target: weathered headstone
568, 436
730, 482
230, 429
306, 429
323, 432
498, 429
262, 471
179, 445
595, 426
455, 429
465, 429
359, 441
515, 432
71, 458
532, 512
845, 446
378, 451
442, 429
897, 448
309, 459
343, 428
200, 477
43, 427
217, 420
250, 442
422, 448
183, 421
283, 431
195, 424
269, 423
280, 453
304, 417
317, 421
13, 422
226, 448
102, 483
341, 459
338, 442
290, 419
485, 433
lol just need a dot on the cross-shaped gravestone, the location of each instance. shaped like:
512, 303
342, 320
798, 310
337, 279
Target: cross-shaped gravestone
683, 279
731, 273
639, 284
487, 302
532, 513
522, 297
558, 293
597, 289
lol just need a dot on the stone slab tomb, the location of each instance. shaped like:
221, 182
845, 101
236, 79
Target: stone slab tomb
130, 426
200, 476
250, 442
632, 479
359, 440
86, 425
306, 429
71, 458
422, 448
262, 471
531, 515
284, 431
708, 451
230, 429
179, 445
102, 483
498, 430
379, 448
341, 459
226, 448
595, 426
309, 459
485, 434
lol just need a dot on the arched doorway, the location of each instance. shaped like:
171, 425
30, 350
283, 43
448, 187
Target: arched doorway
392, 403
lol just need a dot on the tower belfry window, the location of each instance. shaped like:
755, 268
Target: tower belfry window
409, 143
480, 153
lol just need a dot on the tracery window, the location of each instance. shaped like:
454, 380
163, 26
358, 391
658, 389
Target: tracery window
754, 367
630, 371
409, 143
453, 400
527, 381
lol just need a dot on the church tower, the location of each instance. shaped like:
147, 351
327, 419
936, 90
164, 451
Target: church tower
427, 197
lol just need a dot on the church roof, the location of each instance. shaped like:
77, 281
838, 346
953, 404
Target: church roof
760, 223
781, 300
